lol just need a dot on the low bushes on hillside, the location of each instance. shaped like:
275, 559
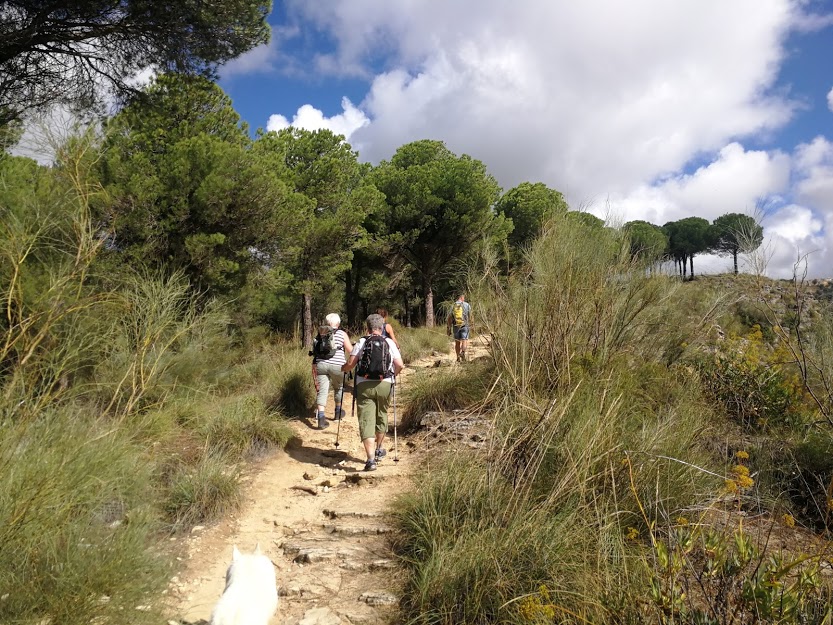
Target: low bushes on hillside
596, 438
444, 389
77, 522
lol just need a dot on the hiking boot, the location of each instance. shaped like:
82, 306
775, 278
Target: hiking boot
339, 415
370, 465
462, 356
381, 453
322, 421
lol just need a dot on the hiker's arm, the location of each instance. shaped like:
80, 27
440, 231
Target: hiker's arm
348, 346
398, 365
351, 362
391, 335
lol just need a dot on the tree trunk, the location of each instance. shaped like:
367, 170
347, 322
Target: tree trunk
691, 261
407, 309
735, 257
348, 297
353, 283
306, 316
429, 305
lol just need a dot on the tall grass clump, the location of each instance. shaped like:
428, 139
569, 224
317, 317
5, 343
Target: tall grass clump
445, 389
117, 419
241, 426
597, 442
416, 343
471, 547
203, 492
287, 385
77, 523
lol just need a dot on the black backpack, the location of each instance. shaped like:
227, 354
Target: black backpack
324, 345
375, 360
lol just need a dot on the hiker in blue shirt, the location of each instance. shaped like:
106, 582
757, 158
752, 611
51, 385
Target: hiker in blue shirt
459, 319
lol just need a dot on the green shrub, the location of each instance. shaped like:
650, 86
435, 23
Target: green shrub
443, 389
202, 493
701, 574
77, 524
802, 472
595, 437
241, 426
751, 315
287, 385
415, 343
748, 380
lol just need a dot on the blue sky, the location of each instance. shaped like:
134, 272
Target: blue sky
648, 109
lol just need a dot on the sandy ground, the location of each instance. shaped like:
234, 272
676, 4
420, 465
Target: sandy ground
321, 519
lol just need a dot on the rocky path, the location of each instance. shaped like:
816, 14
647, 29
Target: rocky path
323, 522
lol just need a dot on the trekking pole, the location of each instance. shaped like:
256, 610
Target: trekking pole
395, 454
338, 427
353, 405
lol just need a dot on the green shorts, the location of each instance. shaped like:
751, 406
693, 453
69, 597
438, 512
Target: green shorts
373, 398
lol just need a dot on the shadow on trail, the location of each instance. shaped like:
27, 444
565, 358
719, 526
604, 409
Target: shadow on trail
319, 456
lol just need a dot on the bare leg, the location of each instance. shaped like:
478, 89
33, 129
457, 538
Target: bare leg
369, 447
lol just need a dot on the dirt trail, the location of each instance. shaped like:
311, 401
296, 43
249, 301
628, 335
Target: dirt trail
330, 549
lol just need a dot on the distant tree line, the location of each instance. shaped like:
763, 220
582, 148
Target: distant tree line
680, 241
289, 225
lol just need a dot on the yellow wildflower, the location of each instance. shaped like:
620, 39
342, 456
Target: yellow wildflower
789, 520
739, 469
742, 455
632, 533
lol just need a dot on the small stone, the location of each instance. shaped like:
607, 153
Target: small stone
197, 528
378, 597
320, 616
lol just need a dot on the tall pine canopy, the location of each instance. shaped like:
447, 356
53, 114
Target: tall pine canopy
440, 206
53, 51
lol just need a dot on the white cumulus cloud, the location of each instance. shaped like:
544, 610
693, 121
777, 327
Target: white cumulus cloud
638, 110
310, 118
